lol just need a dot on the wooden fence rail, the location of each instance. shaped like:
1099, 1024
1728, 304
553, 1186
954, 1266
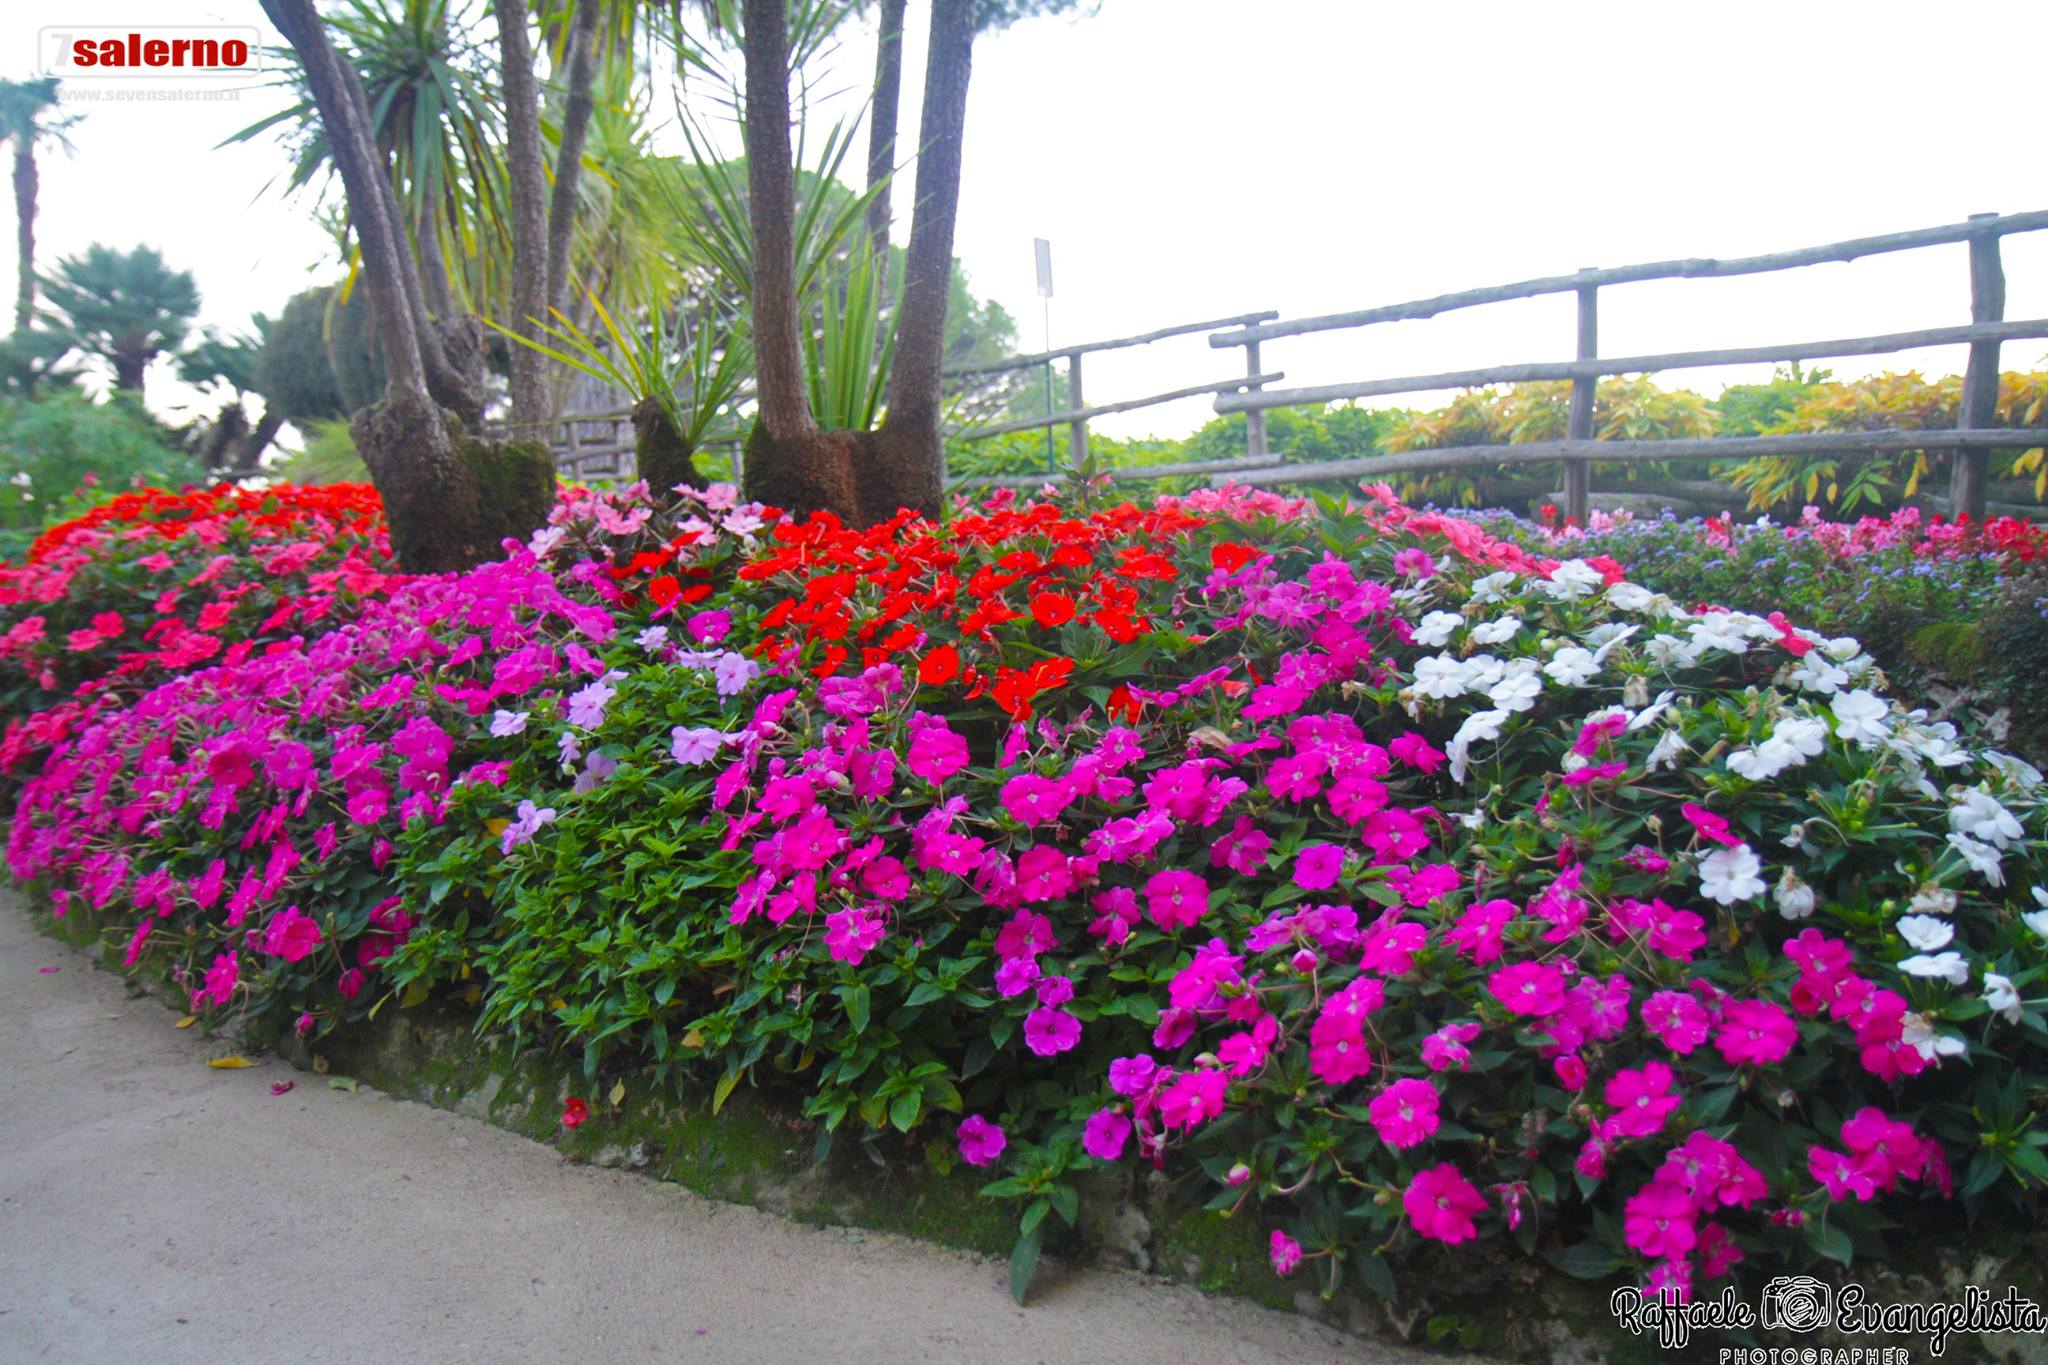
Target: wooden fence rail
1971, 444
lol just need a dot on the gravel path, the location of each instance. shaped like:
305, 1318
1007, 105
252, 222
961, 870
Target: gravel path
153, 1208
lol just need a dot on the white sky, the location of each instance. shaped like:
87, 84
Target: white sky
1197, 158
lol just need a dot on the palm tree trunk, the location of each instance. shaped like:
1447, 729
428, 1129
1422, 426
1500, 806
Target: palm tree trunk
910, 464
25, 191
430, 494
528, 174
790, 462
576, 110
888, 98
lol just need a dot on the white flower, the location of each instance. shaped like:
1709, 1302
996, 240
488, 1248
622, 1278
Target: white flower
1635, 691
1572, 666
1843, 648
2037, 920
1762, 763
1720, 630
1729, 875
1982, 858
1434, 630
1794, 897
1672, 651
1932, 899
1806, 736
545, 540
1571, 580
1609, 637
1479, 726
1815, 674
1670, 745
1631, 596
1496, 632
1925, 932
1515, 693
1440, 676
1644, 719
1493, 587
2017, 771
1949, 967
505, 723
1860, 717
652, 638
1983, 819
1472, 819
1917, 1030
2002, 997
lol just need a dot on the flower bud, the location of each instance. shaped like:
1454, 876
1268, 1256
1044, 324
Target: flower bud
1238, 1175
1304, 960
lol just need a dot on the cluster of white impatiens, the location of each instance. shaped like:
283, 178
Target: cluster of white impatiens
1520, 649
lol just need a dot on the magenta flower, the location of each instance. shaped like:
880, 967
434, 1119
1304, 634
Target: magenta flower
1405, 1113
1033, 800
1317, 866
1660, 1220
1175, 899
1286, 1253
1193, 1099
981, 1142
936, 753
1446, 1048
1754, 1033
221, 978
1104, 1135
1049, 1032
1442, 1204
1130, 1076
1532, 989
1676, 1020
292, 935
1642, 1099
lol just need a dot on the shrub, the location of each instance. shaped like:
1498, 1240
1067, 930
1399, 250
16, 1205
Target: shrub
1336, 857
1364, 862
63, 441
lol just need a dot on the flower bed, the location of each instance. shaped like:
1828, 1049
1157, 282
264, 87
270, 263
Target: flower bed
1375, 875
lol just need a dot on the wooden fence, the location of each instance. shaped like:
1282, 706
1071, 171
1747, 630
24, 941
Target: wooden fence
1971, 442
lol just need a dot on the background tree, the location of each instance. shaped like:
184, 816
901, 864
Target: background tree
125, 307
28, 118
231, 445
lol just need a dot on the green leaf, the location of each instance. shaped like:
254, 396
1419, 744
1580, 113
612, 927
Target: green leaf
1586, 1261
1378, 1276
724, 1090
1828, 1239
1023, 1264
856, 998
1066, 1201
904, 1109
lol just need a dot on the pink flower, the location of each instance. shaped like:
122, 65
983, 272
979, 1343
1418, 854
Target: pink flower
1659, 1220
1104, 1135
1405, 1113
1886, 1147
1286, 1253
981, 1142
1754, 1033
936, 753
851, 934
1417, 752
1390, 948
291, 935
1446, 1047
1532, 989
1676, 1020
1840, 1175
1033, 800
1049, 1032
1442, 1204
1642, 1098
220, 981
1193, 1099
1479, 931
1317, 866
1717, 1251
1710, 826
1130, 1076
1175, 899
1242, 849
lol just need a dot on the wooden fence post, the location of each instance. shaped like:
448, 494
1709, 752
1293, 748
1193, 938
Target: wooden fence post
1255, 420
1077, 430
1970, 475
1578, 474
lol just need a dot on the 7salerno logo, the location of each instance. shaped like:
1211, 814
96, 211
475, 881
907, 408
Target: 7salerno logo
213, 50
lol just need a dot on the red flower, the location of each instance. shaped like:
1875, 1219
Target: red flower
664, 589
1230, 557
574, 1112
939, 667
1051, 609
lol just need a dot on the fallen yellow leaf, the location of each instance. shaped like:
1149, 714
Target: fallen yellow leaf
618, 1093
229, 1063
187, 1022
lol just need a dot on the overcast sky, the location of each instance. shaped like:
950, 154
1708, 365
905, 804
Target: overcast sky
1196, 158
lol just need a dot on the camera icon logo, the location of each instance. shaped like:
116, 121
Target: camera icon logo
1796, 1303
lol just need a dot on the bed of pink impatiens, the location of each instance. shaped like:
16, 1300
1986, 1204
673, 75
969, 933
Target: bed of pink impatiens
1367, 874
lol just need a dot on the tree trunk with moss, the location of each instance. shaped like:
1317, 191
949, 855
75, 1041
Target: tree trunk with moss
663, 458
910, 462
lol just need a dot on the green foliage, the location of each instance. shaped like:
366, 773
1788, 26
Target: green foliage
50, 447
328, 456
293, 372
125, 307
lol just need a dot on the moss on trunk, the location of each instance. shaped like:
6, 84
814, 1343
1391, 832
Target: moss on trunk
660, 453
817, 471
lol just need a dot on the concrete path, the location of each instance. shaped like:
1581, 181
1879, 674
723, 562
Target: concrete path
155, 1209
